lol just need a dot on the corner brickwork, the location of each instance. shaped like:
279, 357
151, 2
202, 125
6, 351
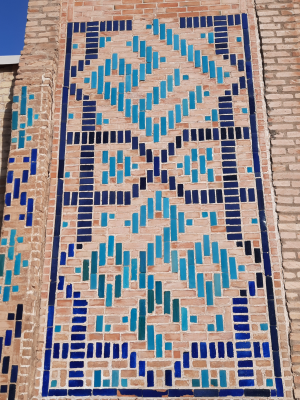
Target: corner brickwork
7, 80
37, 73
280, 38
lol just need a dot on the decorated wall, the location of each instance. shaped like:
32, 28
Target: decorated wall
140, 253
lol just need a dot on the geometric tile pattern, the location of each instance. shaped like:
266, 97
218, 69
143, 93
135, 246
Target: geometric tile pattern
19, 205
17, 187
9, 345
161, 280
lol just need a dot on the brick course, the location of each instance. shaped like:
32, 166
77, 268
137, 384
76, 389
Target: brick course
37, 70
278, 23
7, 78
78, 11
41, 70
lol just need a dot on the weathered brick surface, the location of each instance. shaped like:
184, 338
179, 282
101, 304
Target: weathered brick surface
37, 70
7, 79
278, 23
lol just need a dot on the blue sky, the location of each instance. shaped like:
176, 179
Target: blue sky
13, 17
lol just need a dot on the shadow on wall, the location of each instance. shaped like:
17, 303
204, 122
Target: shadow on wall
7, 81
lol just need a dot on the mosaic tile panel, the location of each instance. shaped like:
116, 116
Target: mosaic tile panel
14, 251
10, 345
161, 280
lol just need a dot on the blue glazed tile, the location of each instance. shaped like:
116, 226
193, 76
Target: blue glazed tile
218, 22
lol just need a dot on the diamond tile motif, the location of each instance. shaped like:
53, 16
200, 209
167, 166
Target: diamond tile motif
161, 278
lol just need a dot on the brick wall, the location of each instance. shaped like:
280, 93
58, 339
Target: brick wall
141, 13
7, 78
278, 29
280, 38
37, 71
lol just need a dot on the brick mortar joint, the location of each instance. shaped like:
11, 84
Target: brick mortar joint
264, 83
48, 83
50, 128
46, 87
273, 132
36, 289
